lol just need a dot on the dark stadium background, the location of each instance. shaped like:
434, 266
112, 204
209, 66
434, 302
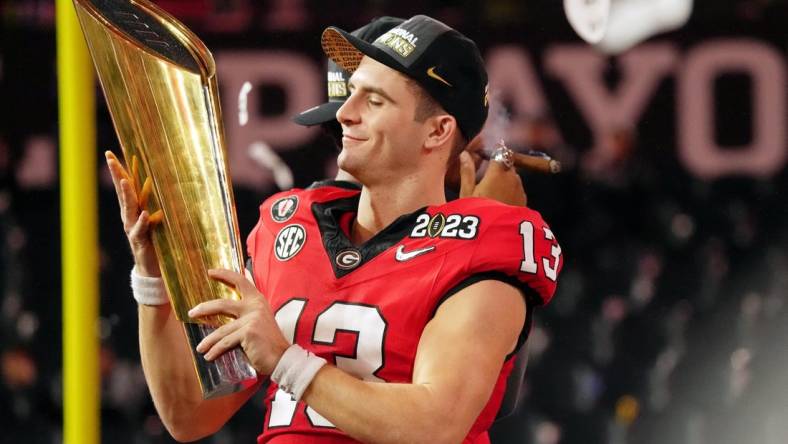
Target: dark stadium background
670, 324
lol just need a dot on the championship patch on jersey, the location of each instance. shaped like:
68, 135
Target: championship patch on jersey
284, 208
289, 242
453, 226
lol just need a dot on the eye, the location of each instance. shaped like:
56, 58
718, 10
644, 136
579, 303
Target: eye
374, 101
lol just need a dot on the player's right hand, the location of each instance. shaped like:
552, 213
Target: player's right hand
499, 182
253, 326
136, 223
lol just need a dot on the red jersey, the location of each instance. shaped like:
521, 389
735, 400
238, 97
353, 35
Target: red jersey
364, 308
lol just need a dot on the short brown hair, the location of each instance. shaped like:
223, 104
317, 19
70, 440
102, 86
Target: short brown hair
427, 107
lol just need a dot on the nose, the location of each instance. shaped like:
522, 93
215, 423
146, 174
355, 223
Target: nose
347, 114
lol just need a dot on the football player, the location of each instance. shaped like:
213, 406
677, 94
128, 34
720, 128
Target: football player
500, 182
383, 314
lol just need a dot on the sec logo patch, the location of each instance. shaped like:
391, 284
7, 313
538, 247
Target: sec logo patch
284, 208
289, 242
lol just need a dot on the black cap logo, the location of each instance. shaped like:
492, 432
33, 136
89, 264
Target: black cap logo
431, 72
399, 40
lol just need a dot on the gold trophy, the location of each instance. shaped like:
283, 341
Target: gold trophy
159, 80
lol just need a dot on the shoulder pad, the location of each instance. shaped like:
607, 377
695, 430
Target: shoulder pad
517, 242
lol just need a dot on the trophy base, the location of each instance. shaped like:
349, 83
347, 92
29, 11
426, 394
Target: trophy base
229, 373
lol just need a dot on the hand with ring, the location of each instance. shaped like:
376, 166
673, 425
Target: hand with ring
500, 182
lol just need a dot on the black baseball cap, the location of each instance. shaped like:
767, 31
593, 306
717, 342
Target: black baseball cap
444, 62
338, 77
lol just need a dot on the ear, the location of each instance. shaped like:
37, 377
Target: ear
442, 130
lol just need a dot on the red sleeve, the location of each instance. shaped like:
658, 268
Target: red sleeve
520, 245
250, 240
259, 241
258, 232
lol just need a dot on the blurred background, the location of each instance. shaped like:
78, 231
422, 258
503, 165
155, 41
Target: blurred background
670, 324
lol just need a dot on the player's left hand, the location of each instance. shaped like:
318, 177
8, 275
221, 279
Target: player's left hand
499, 182
254, 327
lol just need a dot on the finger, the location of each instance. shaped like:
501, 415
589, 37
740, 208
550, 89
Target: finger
224, 345
496, 167
227, 307
467, 175
515, 183
147, 187
156, 217
129, 210
209, 341
115, 165
118, 191
522, 189
117, 173
112, 166
138, 233
232, 279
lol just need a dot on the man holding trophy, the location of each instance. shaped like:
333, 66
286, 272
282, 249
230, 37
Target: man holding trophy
380, 315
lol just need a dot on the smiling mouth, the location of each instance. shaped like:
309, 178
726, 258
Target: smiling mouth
348, 141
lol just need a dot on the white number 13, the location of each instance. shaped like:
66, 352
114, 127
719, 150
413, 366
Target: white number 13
529, 264
364, 361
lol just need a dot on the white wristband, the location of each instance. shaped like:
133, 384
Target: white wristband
296, 370
148, 290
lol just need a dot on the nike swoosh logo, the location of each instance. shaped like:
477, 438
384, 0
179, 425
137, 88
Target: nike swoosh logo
403, 256
431, 72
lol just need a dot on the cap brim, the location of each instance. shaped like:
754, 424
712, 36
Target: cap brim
318, 115
347, 50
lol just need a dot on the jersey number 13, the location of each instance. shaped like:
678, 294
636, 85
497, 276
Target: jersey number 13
365, 361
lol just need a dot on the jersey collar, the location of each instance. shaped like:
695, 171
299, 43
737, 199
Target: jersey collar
341, 250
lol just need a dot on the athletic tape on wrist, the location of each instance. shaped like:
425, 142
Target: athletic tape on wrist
148, 290
296, 370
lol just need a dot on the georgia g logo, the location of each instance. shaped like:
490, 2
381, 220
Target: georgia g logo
284, 208
289, 242
348, 259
